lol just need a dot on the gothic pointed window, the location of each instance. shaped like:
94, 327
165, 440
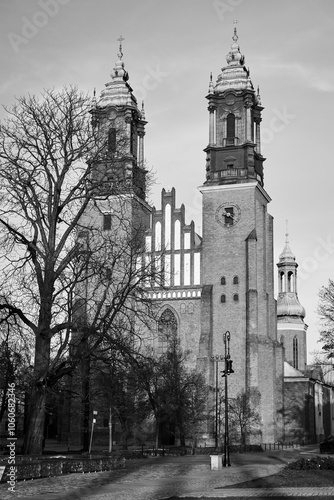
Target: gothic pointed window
295, 353
230, 129
167, 330
158, 236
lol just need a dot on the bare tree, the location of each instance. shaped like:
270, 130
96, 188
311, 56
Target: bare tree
326, 313
115, 389
176, 394
72, 284
243, 416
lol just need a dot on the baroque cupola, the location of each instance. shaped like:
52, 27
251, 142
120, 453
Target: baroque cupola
234, 149
121, 125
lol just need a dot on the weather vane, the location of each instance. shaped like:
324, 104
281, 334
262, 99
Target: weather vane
120, 39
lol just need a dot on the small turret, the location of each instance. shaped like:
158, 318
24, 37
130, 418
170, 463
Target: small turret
290, 313
288, 304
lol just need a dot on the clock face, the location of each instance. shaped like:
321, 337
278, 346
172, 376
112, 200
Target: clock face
228, 214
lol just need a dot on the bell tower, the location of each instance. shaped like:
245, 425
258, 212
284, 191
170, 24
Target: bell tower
118, 171
237, 249
120, 127
233, 154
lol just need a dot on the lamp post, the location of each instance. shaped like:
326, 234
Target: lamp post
91, 435
228, 370
216, 359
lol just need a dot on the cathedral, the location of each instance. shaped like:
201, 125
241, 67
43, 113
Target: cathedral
220, 284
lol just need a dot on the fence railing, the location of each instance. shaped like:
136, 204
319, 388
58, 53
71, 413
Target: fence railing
207, 450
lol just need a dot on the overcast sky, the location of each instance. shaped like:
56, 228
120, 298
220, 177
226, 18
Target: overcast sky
170, 48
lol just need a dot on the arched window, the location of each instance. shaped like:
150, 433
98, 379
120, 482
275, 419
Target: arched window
235, 280
230, 129
236, 297
223, 298
295, 353
106, 222
290, 281
282, 340
157, 236
223, 280
112, 140
168, 225
167, 330
177, 235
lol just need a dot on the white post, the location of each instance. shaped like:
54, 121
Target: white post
141, 150
258, 138
211, 125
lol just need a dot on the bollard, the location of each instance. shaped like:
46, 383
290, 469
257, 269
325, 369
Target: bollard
216, 462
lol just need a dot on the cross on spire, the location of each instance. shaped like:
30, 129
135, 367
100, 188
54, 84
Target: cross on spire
235, 36
120, 54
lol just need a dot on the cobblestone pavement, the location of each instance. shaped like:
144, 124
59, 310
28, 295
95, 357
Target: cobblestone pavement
162, 478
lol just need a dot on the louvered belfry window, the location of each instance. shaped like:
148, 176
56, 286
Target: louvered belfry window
230, 128
112, 140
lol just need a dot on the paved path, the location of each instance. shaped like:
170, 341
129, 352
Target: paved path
162, 478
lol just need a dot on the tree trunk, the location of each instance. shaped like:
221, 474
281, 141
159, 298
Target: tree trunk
157, 433
124, 436
33, 439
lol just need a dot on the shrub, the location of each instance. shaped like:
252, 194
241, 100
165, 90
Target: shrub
314, 463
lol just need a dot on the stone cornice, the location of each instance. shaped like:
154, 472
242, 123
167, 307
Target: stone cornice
292, 326
231, 187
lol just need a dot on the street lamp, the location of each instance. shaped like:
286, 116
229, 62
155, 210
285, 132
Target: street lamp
216, 359
228, 370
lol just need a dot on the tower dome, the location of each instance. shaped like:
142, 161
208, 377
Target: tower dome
287, 255
234, 75
118, 92
288, 305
